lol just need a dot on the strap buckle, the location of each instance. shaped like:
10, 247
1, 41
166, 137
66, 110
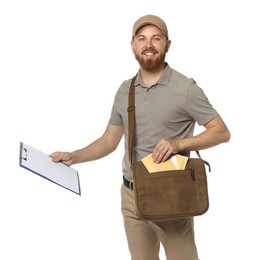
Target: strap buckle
131, 108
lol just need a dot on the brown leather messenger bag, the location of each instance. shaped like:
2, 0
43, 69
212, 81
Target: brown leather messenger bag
171, 193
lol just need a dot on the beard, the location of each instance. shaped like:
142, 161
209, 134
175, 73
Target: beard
150, 64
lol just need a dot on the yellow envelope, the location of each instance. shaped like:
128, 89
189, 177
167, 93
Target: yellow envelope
176, 162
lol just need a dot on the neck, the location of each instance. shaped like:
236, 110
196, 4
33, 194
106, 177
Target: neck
151, 77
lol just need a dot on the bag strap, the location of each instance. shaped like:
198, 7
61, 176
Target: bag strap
205, 162
131, 124
131, 119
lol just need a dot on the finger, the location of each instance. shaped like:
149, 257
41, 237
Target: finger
155, 155
159, 155
163, 155
55, 156
167, 155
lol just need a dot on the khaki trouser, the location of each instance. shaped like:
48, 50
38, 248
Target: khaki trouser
144, 237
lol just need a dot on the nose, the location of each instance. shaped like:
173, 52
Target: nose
149, 43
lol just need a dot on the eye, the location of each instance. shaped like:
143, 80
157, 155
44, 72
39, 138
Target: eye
157, 39
141, 39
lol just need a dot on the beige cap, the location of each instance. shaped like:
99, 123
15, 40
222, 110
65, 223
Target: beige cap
150, 19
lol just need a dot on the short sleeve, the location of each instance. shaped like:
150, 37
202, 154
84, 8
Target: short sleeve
198, 106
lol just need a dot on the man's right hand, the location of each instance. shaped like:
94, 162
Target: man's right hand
64, 157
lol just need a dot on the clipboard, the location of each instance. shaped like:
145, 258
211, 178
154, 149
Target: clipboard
41, 164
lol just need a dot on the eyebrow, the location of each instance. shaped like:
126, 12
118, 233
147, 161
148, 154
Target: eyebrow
155, 35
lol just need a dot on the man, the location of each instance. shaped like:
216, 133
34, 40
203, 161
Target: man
168, 104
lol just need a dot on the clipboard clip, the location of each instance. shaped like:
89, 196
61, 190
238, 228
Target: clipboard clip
23, 153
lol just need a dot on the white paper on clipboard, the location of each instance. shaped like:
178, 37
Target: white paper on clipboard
42, 165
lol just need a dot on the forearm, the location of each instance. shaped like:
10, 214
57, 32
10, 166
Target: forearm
103, 146
216, 133
202, 141
93, 151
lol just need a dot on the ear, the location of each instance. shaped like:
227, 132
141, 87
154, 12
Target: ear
132, 46
168, 45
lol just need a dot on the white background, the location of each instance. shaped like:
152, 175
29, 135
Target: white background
61, 63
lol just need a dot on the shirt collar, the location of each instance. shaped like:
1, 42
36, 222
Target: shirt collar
164, 79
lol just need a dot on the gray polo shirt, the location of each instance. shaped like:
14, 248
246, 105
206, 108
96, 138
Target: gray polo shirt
168, 109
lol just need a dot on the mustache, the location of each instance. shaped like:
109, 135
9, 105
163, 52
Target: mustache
150, 49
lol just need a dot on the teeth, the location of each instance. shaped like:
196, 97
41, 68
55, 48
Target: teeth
149, 53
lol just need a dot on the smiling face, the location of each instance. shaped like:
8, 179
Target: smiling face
150, 46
